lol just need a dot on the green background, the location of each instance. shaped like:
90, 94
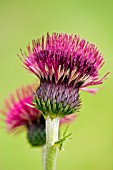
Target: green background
21, 21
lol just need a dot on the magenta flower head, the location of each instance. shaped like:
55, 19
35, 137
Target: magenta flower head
20, 114
64, 64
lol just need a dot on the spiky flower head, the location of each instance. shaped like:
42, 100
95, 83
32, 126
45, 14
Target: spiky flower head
20, 114
64, 64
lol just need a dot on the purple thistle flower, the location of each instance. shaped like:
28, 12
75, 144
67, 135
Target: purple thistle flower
64, 64
20, 113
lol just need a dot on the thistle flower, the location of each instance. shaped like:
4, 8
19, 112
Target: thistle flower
64, 64
20, 114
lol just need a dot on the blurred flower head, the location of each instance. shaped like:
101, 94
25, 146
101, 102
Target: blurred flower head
64, 64
20, 114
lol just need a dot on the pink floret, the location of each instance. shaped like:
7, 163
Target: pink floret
67, 59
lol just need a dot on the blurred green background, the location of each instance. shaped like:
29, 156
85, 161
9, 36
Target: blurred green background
21, 21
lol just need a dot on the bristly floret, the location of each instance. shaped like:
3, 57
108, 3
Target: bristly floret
65, 59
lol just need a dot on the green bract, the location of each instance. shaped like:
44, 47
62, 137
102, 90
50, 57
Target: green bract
53, 109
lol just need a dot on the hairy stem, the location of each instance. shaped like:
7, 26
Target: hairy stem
52, 127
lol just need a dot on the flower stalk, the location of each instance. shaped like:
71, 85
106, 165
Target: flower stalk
52, 128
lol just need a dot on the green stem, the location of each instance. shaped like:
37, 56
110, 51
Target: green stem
52, 127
